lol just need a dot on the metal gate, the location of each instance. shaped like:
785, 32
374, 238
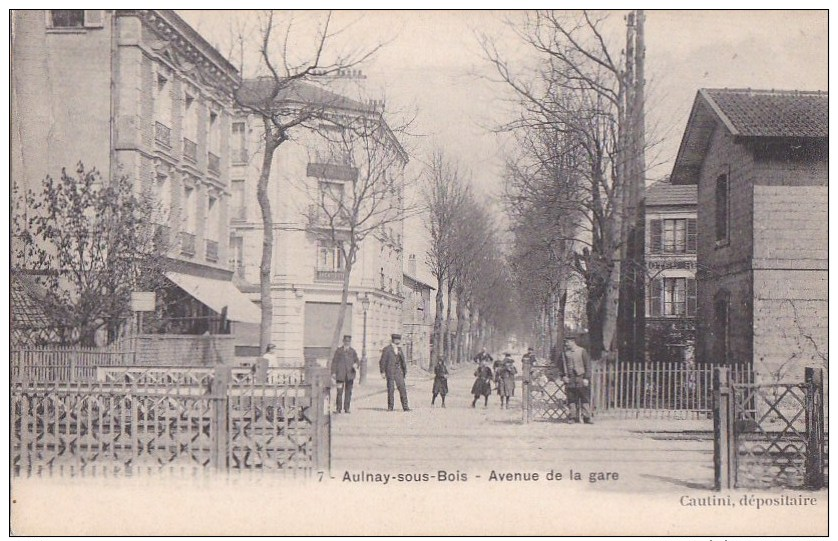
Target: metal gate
150, 419
544, 397
769, 434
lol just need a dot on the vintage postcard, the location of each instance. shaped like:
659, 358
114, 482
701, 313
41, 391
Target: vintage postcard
419, 272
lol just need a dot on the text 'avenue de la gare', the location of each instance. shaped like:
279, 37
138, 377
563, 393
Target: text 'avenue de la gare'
493, 476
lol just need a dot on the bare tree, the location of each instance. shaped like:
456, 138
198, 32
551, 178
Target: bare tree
444, 190
580, 90
277, 103
367, 202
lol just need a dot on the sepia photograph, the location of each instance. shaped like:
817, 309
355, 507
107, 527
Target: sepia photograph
418, 272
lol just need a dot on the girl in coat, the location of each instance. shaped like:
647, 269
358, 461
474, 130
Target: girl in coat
505, 380
440, 381
482, 384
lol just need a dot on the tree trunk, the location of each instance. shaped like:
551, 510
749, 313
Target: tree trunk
447, 344
461, 328
267, 237
437, 336
344, 295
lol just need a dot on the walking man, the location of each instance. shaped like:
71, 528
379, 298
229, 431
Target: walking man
483, 356
394, 369
576, 373
344, 368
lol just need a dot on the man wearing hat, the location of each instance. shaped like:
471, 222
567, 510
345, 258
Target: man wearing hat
575, 370
344, 364
394, 369
528, 356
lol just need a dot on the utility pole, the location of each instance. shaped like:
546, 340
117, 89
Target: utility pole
632, 273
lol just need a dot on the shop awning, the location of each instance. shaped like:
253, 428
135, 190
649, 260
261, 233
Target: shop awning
218, 294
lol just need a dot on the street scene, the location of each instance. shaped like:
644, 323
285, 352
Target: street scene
555, 256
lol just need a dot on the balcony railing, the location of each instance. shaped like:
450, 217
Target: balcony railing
190, 150
163, 134
187, 243
332, 171
328, 275
212, 250
213, 163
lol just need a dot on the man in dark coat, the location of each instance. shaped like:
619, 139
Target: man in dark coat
575, 370
344, 367
394, 369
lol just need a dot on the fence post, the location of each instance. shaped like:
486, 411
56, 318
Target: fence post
218, 423
525, 387
724, 439
814, 428
319, 380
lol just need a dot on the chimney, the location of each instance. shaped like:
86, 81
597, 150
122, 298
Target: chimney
411, 265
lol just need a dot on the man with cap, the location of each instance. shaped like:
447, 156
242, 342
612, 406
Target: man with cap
344, 368
528, 356
575, 370
394, 369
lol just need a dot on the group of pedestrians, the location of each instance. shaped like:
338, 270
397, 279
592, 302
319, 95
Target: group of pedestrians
572, 360
502, 372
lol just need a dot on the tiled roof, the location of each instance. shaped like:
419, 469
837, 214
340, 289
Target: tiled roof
665, 194
26, 307
771, 113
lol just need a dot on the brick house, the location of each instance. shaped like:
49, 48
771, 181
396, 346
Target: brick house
670, 266
138, 93
759, 159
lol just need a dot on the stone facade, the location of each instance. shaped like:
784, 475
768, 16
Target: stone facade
306, 276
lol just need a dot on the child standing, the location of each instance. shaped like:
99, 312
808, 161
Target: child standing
482, 384
440, 381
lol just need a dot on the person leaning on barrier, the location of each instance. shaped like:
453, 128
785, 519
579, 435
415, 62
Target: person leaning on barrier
344, 368
575, 369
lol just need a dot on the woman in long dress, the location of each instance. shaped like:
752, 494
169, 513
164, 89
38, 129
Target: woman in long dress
440, 381
505, 380
482, 384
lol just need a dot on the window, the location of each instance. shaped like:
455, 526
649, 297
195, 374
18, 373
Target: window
331, 198
722, 209
214, 142
190, 117
163, 100
672, 297
237, 255
721, 312
189, 209
239, 209
239, 143
673, 236
162, 199
67, 18
329, 255
212, 219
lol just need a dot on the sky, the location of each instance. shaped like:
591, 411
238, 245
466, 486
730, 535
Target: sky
432, 67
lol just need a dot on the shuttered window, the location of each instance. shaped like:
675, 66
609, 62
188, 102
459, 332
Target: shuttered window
672, 297
675, 236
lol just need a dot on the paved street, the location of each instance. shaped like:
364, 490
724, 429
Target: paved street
647, 455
